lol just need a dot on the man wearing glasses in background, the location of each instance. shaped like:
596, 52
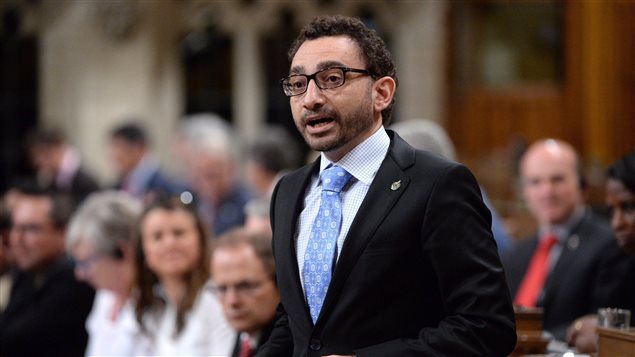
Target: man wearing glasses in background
47, 307
243, 272
381, 250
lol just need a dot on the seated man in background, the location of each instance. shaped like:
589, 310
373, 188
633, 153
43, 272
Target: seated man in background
47, 307
243, 277
58, 165
138, 170
572, 266
208, 149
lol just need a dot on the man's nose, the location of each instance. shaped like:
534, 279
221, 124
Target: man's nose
231, 297
313, 97
617, 220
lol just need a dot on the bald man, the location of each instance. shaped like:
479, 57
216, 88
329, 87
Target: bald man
572, 265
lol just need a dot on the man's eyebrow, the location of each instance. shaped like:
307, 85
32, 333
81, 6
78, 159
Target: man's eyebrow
320, 66
329, 64
296, 70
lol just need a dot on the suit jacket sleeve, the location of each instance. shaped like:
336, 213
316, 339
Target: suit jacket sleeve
476, 307
280, 341
52, 321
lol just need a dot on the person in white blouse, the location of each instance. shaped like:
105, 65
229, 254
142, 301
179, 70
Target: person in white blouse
175, 313
100, 240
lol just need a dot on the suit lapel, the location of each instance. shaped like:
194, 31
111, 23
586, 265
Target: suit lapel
567, 258
389, 184
291, 204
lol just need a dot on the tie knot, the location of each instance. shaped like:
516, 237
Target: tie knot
548, 241
334, 179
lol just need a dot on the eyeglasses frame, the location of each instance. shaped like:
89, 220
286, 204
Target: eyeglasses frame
313, 77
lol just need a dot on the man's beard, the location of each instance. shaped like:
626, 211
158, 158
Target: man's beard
350, 127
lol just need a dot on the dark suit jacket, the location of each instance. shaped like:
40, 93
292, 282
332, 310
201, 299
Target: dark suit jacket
158, 184
46, 315
418, 274
264, 336
82, 185
592, 272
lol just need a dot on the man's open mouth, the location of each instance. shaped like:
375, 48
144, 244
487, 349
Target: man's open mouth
316, 123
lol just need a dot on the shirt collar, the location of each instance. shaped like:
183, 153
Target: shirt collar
253, 338
141, 173
364, 160
563, 230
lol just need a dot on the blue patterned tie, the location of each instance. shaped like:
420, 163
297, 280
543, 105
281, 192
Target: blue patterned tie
320, 252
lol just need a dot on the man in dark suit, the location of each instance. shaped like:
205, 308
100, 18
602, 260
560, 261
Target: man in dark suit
207, 144
381, 250
59, 166
243, 275
138, 170
582, 268
47, 307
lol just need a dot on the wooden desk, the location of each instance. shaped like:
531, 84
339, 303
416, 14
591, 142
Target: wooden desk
529, 332
615, 343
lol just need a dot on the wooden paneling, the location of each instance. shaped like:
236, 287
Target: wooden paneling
591, 104
593, 107
490, 117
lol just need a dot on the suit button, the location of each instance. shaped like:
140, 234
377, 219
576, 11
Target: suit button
315, 345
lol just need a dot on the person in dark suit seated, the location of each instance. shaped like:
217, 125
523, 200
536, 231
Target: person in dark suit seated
58, 165
620, 199
380, 249
208, 149
572, 266
48, 307
138, 170
243, 277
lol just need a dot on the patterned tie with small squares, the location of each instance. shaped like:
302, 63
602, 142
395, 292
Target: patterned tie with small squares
320, 252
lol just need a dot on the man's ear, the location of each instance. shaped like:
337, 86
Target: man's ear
383, 92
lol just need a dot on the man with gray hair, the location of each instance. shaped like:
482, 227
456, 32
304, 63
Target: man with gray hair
207, 147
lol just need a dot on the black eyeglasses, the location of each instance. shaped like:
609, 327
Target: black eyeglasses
328, 78
242, 288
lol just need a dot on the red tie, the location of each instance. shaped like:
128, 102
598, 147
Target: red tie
536, 274
245, 348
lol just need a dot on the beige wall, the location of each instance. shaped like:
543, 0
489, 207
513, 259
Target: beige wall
91, 78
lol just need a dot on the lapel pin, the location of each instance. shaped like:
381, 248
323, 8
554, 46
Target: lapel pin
573, 242
395, 185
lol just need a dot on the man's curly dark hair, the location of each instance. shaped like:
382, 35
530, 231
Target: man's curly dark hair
378, 59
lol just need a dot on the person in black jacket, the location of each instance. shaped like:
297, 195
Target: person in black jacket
585, 269
59, 166
380, 249
243, 278
47, 307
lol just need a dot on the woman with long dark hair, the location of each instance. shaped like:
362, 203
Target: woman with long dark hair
172, 307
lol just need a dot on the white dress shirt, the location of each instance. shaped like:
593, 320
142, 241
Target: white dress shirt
205, 333
118, 337
362, 163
